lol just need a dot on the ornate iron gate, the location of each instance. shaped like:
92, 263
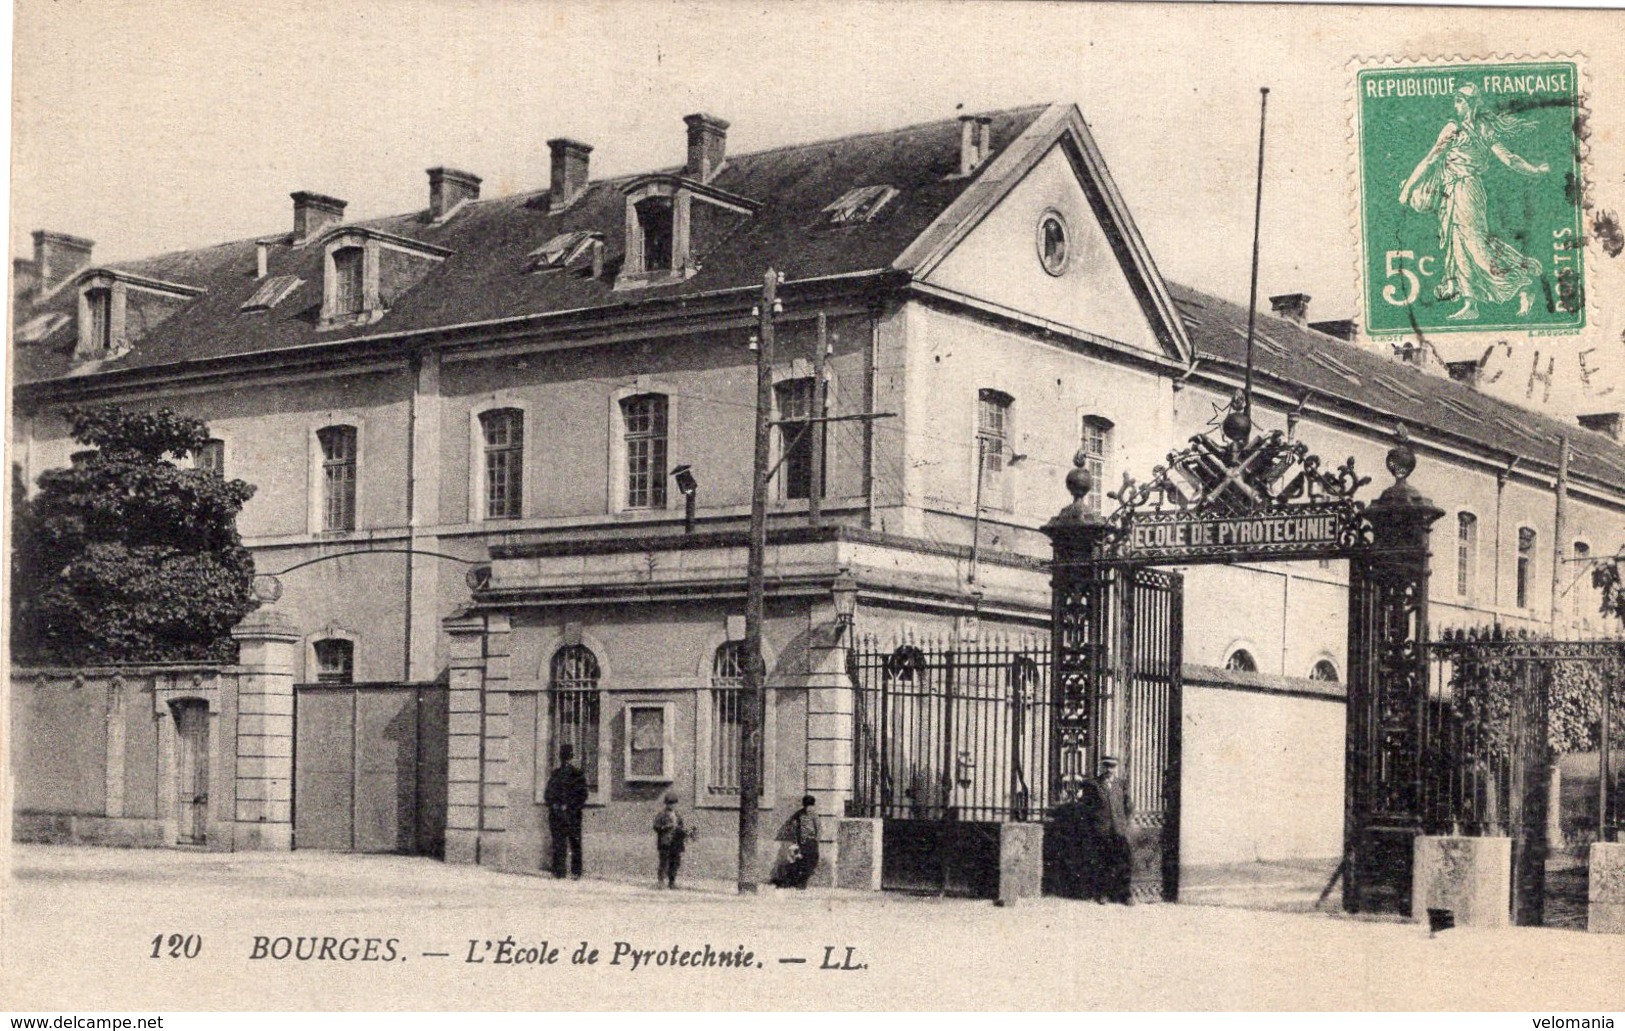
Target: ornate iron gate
1154, 627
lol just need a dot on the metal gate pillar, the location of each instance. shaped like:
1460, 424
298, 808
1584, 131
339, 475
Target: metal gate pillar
1083, 648
1387, 694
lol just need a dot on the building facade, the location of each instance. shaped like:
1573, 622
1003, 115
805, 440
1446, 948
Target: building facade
464, 424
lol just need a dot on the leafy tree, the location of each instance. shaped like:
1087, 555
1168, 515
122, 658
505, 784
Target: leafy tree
126, 557
1605, 577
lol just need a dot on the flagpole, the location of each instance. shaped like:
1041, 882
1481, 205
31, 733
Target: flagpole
1258, 213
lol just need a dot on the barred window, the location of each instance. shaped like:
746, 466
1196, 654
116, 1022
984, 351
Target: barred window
335, 661
645, 419
504, 432
1095, 443
1466, 552
1526, 564
1241, 661
338, 445
1324, 670
348, 292
796, 400
573, 707
727, 702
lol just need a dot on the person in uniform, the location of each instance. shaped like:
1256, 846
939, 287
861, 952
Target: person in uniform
566, 797
1108, 803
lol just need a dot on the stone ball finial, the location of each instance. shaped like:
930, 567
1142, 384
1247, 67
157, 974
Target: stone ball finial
1237, 427
1078, 481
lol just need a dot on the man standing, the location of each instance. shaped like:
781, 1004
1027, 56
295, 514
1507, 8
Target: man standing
566, 796
801, 832
1113, 808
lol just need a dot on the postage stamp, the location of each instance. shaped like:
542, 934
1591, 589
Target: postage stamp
1470, 197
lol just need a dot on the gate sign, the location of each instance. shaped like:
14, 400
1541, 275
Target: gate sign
1302, 530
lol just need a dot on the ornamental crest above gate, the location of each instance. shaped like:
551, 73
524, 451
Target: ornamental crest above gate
1230, 495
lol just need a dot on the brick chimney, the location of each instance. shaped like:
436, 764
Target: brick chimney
1604, 422
449, 188
707, 146
24, 278
1342, 329
975, 142
1291, 306
569, 176
313, 213
57, 256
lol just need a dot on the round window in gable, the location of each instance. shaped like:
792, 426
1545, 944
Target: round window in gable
1054, 242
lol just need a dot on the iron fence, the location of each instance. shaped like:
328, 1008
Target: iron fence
946, 730
1501, 707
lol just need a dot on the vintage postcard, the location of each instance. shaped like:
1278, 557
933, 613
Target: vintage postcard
834, 506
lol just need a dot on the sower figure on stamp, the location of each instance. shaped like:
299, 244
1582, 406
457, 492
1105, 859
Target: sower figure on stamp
1450, 180
566, 797
671, 837
1109, 807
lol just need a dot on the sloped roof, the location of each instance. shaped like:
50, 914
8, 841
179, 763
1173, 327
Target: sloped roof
1304, 359
487, 275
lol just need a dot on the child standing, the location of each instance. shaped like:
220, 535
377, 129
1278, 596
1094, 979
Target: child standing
670, 837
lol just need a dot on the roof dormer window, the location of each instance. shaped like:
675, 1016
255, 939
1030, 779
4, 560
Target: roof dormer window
118, 308
655, 226
670, 221
366, 271
99, 307
349, 281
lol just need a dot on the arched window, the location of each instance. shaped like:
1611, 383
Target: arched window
573, 707
504, 433
348, 293
1526, 564
1241, 661
1324, 670
727, 702
645, 420
1466, 552
338, 445
335, 661
1096, 444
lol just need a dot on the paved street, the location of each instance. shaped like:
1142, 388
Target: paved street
80, 922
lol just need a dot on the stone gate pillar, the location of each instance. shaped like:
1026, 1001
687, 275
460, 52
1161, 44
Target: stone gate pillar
1387, 694
1083, 645
263, 817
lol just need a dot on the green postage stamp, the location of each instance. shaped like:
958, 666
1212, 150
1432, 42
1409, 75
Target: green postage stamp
1470, 197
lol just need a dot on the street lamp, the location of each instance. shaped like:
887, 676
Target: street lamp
687, 486
845, 592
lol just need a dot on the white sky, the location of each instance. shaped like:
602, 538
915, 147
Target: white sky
164, 124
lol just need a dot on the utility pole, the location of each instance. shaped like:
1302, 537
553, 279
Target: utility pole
750, 715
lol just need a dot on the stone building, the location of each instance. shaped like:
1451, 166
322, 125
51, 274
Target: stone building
463, 423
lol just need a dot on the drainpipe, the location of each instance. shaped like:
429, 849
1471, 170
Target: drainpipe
1560, 523
869, 424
